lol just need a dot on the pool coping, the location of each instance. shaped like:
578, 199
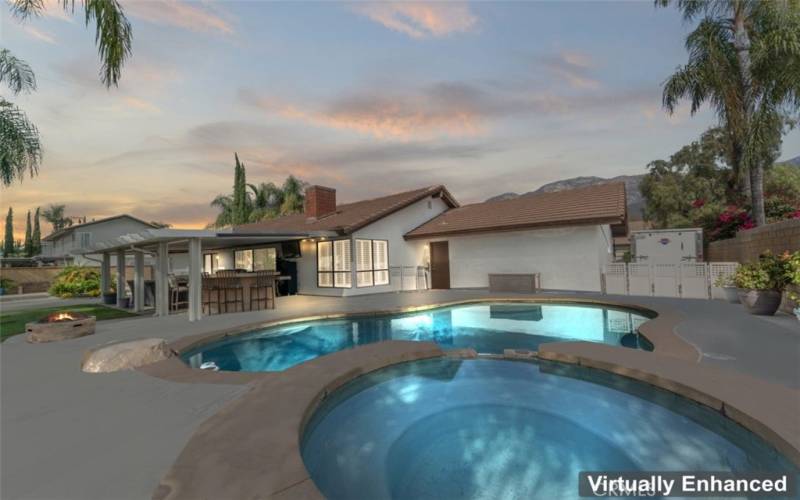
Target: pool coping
234, 454
659, 330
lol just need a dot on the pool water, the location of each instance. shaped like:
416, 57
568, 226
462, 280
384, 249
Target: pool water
485, 327
494, 429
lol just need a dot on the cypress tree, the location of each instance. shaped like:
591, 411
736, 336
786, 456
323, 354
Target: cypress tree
8, 242
28, 236
37, 234
240, 207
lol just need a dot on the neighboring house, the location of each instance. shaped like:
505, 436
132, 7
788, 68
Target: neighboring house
565, 236
67, 245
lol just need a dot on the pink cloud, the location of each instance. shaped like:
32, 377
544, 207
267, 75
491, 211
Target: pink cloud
178, 13
384, 117
418, 19
39, 35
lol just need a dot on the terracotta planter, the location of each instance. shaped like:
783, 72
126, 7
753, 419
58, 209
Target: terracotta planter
760, 302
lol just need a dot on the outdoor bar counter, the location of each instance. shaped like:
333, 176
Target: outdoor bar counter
215, 284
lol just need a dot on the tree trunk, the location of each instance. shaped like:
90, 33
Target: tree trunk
757, 188
741, 42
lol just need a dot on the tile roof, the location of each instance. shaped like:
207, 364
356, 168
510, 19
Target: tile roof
349, 217
600, 204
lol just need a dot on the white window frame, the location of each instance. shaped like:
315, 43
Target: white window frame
80, 239
371, 270
339, 277
252, 266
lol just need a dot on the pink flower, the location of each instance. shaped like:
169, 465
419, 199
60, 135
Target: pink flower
698, 203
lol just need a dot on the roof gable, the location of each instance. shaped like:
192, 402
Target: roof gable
67, 230
350, 217
600, 204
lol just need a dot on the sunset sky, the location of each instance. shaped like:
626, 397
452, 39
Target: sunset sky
368, 98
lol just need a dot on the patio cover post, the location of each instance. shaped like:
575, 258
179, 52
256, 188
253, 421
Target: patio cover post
105, 273
120, 276
161, 277
138, 282
195, 261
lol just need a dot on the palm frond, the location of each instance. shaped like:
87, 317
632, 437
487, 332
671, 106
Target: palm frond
20, 149
24, 9
113, 35
16, 73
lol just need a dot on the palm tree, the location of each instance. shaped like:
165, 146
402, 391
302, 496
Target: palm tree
224, 202
293, 196
267, 200
54, 214
20, 150
743, 60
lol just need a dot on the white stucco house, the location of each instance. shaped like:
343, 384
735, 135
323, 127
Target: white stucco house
68, 245
416, 239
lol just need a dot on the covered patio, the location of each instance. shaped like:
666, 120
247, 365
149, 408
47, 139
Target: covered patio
160, 244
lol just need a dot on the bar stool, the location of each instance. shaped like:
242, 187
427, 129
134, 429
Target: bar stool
229, 284
178, 293
210, 294
263, 290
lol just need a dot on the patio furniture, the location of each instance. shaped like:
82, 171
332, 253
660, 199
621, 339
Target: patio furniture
263, 290
210, 294
521, 283
178, 292
230, 289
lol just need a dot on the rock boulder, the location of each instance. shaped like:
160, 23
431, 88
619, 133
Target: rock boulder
125, 355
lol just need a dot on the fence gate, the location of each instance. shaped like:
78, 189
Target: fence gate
665, 280
640, 279
686, 280
694, 280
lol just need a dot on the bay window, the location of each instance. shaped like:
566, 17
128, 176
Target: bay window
372, 263
334, 264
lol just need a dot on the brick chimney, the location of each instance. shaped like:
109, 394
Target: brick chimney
320, 201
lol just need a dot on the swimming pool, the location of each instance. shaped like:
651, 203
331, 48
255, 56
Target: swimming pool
497, 429
486, 327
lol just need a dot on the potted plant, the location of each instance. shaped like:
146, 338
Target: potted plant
729, 290
5, 284
761, 284
793, 278
110, 298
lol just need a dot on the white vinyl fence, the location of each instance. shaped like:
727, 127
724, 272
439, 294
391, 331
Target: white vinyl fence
691, 280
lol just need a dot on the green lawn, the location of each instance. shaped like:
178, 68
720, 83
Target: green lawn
13, 323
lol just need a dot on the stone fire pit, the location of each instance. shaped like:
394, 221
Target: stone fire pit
61, 325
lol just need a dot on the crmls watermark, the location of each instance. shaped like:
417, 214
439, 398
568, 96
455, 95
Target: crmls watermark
686, 484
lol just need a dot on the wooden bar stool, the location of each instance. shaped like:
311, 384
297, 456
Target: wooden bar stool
263, 290
230, 290
178, 292
210, 295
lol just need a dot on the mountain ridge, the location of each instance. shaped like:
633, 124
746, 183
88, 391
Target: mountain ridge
635, 199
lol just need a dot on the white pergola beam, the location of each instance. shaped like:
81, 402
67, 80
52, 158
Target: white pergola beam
120, 276
105, 273
138, 282
162, 279
195, 279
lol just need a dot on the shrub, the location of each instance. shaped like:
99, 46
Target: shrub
76, 280
6, 283
769, 272
793, 272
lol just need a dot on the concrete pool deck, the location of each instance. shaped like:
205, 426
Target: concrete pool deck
67, 434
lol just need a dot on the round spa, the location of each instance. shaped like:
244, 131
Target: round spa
498, 429
488, 327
